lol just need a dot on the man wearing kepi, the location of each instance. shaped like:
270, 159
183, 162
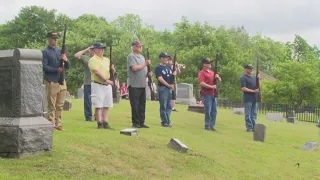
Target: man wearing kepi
250, 97
206, 77
101, 90
137, 73
55, 92
165, 77
87, 80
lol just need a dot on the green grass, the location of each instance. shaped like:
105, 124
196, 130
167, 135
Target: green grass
84, 152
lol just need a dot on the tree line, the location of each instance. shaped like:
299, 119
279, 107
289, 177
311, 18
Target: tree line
294, 65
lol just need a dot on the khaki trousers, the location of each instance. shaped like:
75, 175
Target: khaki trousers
56, 95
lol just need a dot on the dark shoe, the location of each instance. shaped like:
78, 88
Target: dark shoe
59, 128
89, 120
207, 129
213, 129
136, 126
100, 126
105, 125
249, 130
144, 126
164, 125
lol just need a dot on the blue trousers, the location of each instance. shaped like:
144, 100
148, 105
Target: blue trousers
250, 111
165, 95
87, 103
210, 108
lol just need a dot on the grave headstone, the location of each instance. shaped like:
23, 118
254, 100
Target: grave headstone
259, 133
310, 146
148, 92
80, 93
274, 116
67, 105
239, 111
129, 132
23, 129
196, 108
185, 94
291, 117
318, 124
177, 145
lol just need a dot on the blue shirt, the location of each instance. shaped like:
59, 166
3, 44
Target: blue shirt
51, 62
250, 83
166, 73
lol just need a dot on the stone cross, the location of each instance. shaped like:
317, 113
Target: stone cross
23, 129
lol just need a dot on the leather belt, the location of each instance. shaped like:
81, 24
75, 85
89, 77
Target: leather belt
101, 83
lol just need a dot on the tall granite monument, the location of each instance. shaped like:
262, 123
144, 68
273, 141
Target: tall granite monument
23, 129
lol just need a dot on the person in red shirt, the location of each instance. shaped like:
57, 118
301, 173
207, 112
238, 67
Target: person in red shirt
205, 77
123, 91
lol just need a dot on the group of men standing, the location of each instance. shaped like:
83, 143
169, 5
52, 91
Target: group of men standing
98, 86
206, 78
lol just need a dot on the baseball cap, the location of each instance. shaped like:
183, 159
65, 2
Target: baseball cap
98, 45
206, 61
136, 43
248, 66
163, 55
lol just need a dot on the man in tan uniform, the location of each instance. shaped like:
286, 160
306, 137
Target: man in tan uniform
55, 92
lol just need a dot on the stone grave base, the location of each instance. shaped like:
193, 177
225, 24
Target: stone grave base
196, 108
25, 135
186, 101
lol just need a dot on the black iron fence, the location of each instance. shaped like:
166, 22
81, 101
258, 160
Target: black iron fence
303, 113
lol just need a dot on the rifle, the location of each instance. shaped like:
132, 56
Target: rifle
112, 74
63, 51
174, 68
258, 82
174, 65
215, 80
150, 82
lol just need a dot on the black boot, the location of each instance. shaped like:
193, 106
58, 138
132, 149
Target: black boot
100, 125
106, 125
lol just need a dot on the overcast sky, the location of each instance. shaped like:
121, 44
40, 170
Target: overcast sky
278, 19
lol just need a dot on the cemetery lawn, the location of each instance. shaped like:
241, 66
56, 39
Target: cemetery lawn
84, 152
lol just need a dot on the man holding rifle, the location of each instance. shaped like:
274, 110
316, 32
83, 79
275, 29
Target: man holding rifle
250, 97
101, 90
165, 88
206, 78
136, 74
55, 91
